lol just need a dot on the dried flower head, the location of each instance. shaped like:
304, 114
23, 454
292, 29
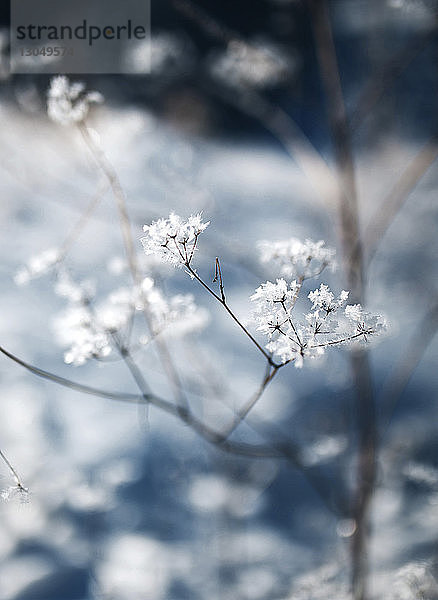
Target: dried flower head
69, 103
297, 259
253, 65
174, 239
325, 325
37, 266
87, 328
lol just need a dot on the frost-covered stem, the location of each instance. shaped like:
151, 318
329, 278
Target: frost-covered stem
220, 439
119, 195
68, 383
396, 198
386, 76
113, 179
222, 301
218, 276
15, 476
79, 226
185, 414
246, 409
267, 450
291, 323
343, 340
354, 266
131, 255
425, 332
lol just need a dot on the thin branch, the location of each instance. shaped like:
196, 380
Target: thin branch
80, 224
131, 254
396, 198
387, 75
270, 116
249, 405
195, 275
218, 276
354, 266
350, 338
396, 383
119, 195
15, 476
286, 450
68, 383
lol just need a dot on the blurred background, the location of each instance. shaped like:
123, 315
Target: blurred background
232, 121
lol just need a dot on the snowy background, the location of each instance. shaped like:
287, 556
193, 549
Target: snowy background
130, 504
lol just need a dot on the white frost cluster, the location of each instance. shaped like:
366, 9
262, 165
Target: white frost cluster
421, 473
164, 54
413, 580
69, 103
174, 239
297, 259
37, 266
87, 330
15, 491
328, 323
177, 315
320, 584
77, 329
251, 65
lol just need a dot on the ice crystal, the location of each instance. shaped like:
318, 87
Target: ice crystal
174, 239
297, 259
69, 103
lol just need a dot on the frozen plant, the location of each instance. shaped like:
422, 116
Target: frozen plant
18, 489
414, 581
328, 323
174, 239
251, 65
89, 329
321, 584
165, 54
37, 266
69, 103
296, 259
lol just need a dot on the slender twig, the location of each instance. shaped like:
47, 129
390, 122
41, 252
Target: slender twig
385, 77
286, 450
15, 476
354, 267
119, 195
249, 405
131, 254
68, 383
401, 374
269, 115
349, 338
80, 224
218, 276
289, 319
271, 449
222, 301
396, 198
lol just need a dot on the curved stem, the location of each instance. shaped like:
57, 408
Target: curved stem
221, 300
